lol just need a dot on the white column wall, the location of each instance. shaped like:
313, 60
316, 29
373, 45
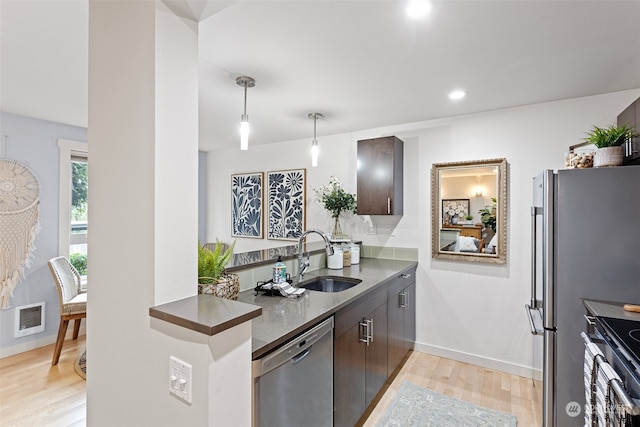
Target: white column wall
465, 311
176, 156
143, 136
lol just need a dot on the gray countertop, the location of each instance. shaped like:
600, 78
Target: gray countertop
609, 309
283, 318
205, 313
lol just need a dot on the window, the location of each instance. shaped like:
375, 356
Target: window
74, 187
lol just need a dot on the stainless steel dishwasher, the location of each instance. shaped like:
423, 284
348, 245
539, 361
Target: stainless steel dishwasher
293, 385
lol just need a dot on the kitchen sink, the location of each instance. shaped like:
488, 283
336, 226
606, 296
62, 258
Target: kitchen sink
329, 283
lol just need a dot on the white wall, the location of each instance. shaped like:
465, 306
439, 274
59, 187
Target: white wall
144, 159
466, 311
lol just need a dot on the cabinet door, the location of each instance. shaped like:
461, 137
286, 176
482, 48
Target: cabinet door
348, 378
402, 325
379, 186
410, 317
376, 357
396, 344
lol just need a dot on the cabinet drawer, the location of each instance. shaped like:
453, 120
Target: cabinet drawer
355, 312
401, 281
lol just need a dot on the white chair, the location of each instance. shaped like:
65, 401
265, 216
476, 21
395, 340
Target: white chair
73, 302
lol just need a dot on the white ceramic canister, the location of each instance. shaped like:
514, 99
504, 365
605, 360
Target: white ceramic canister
355, 253
335, 261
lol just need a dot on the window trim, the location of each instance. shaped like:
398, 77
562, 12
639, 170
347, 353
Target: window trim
68, 149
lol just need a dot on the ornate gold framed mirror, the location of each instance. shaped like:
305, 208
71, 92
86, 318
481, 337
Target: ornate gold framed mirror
469, 211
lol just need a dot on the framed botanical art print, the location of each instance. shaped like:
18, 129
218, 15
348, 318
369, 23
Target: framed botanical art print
454, 210
286, 211
246, 205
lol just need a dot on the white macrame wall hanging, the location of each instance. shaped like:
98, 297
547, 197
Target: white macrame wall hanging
19, 200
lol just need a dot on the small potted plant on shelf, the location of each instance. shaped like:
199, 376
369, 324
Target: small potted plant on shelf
469, 218
609, 142
212, 277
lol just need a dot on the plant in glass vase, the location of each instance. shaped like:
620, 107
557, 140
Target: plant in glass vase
336, 200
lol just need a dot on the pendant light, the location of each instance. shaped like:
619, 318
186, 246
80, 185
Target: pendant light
245, 82
314, 143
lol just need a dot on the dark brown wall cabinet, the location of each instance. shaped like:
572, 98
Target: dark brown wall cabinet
631, 117
379, 188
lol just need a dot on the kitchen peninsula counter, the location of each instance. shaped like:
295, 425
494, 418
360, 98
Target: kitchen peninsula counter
284, 318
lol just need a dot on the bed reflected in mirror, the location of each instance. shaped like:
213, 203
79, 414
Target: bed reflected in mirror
469, 211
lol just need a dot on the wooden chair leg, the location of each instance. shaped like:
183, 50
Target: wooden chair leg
76, 328
62, 331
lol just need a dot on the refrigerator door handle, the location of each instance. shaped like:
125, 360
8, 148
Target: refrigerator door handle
548, 239
535, 211
535, 320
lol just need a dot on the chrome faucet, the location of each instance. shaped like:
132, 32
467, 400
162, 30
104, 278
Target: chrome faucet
303, 266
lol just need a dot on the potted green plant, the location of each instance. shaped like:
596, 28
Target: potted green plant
609, 143
212, 277
488, 215
469, 218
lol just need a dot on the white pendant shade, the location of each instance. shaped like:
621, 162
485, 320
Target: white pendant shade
314, 153
314, 144
244, 134
245, 82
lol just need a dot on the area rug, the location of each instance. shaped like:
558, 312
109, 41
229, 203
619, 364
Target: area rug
417, 406
81, 365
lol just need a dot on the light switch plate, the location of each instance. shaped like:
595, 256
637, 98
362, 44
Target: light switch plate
180, 378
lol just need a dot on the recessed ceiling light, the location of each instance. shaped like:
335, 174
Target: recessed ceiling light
418, 9
457, 95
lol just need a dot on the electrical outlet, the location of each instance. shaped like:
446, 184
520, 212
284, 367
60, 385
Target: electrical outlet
180, 378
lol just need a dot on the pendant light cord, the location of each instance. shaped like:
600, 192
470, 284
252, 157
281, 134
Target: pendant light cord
245, 100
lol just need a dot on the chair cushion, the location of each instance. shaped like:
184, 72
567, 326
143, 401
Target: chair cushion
78, 304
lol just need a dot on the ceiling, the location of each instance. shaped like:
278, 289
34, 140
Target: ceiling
363, 64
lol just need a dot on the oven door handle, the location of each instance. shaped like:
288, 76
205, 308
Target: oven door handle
625, 400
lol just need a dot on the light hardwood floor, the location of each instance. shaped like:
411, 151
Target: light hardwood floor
485, 387
34, 393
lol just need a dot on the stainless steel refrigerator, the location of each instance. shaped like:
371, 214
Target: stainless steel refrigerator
585, 244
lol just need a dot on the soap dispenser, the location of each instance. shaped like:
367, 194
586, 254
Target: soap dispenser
279, 272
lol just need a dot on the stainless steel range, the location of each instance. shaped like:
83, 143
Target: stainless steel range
619, 341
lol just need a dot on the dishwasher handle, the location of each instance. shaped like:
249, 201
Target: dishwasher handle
300, 357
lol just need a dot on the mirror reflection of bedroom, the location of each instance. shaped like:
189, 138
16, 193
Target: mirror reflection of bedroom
469, 211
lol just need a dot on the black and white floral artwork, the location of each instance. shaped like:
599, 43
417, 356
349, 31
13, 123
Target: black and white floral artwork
286, 204
454, 210
246, 205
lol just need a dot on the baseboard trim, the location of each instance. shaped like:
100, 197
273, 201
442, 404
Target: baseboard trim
40, 342
485, 362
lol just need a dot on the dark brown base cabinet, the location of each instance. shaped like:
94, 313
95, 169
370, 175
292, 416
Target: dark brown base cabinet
372, 336
359, 356
402, 319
